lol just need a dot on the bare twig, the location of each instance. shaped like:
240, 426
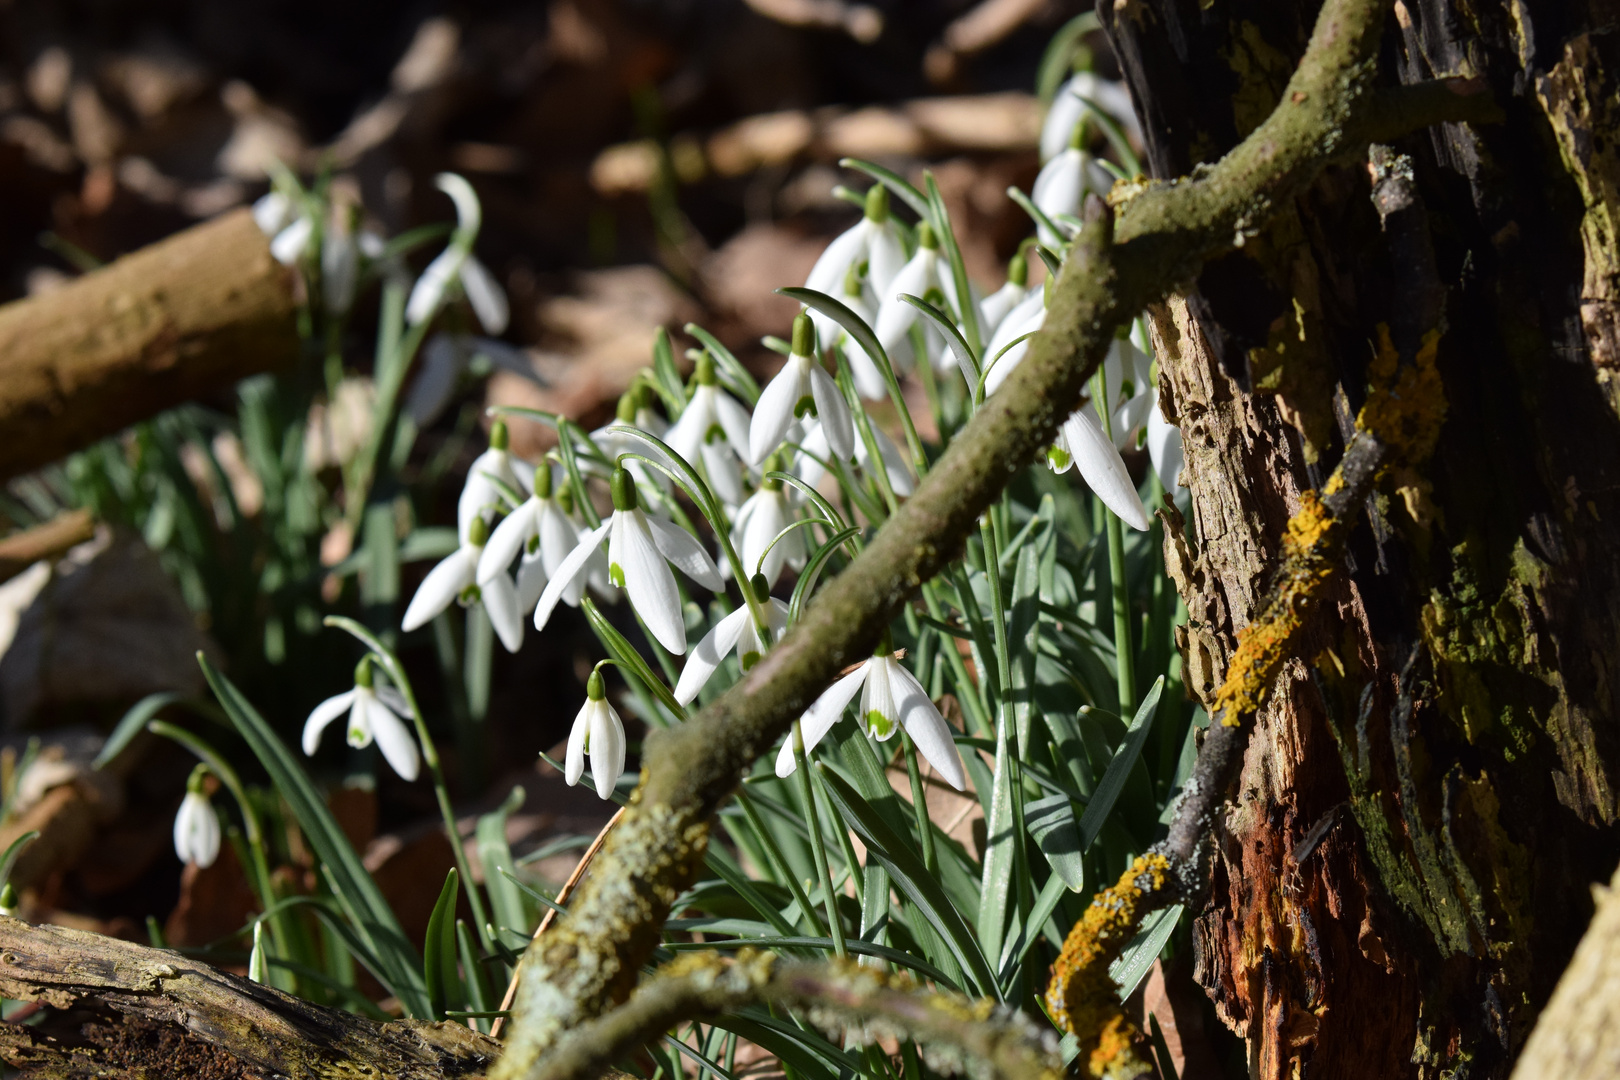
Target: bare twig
50, 540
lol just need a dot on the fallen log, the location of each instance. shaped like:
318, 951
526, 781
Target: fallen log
174, 321
138, 1011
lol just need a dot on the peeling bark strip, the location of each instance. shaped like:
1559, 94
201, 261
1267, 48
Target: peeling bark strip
591, 961
178, 320
206, 1016
1457, 688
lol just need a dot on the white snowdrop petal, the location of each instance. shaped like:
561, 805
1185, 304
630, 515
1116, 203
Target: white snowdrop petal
648, 581
505, 614
572, 567
896, 464
869, 382
758, 530
443, 360
774, 413
686, 437
271, 211
886, 255
468, 213
709, 654
205, 836
847, 249
878, 714
428, 292
396, 742
487, 298
1058, 190
558, 537
607, 748
508, 539
683, 552
340, 266
926, 726
733, 420
723, 472
290, 242
895, 316
1102, 468
1164, 448
441, 587
998, 305
821, 716
322, 715
833, 412
531, 581
575, 758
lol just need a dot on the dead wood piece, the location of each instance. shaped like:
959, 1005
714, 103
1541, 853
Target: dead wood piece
1578, 1035
264, 1030
21, 550
171, 322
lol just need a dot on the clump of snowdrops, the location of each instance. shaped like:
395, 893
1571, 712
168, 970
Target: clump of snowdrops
1027, 706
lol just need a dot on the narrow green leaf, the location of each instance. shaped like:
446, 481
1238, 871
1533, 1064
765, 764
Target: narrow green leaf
9, 859
134, 721
1137, 958
495, 855
1119, 769
891, 180
996, 893
741, 382
824, 944
439, 949
1051, 822
912, 878
943, 323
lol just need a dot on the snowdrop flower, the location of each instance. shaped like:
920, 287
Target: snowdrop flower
373, 714
927, 273
800, 387
272, 212
455, 579
641, 550
599, 732
445, 357
1006, 351
712, 433
457, 265
1063, 184
196, 826
891, 699
764, 516
340, 261
542, 533
1081, 442
874, 241
1070, 106
288, 227
736, 631
1128, 377
481, 495
1164, 446
1000, 303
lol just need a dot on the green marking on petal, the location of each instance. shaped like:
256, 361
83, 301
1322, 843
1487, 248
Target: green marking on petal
1058, 457
879, 725
470, 595
616, 574
806, 407
533, 545
715, 433
749, 659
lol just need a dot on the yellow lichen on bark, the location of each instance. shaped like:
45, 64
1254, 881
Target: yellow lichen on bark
1082, 997
1263, 645
1407, 403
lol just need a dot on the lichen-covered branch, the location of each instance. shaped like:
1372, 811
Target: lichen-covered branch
842, 997
591, 961
203, 1014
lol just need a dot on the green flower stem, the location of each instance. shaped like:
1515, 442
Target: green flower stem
856, 872
1004, 713
818, 847
1124, 656
919, 804
794, 886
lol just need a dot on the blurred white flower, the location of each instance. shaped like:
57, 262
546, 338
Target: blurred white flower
457, 265
760, 520
1069, 107
1061, 188
712, 434
891, 699
926, 276
542, 534
1000, 303
373, 714
481, 494
1011, 340
599, 732
196, 826
1164, 447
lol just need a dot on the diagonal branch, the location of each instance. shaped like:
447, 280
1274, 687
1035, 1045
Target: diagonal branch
591, 961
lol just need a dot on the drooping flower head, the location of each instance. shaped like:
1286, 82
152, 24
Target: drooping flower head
873, 242
739, 631
456, 265
891, 699
801, 389
196, 826
538, 530
759, 524
998, 304
641, 550
1082, 443
712, 433
455, 579
599, 733
374, 713
927, 276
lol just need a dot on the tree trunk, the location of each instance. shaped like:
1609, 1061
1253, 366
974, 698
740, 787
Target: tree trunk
1432, 785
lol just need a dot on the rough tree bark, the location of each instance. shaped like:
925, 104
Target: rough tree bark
1432, 786
183, 318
